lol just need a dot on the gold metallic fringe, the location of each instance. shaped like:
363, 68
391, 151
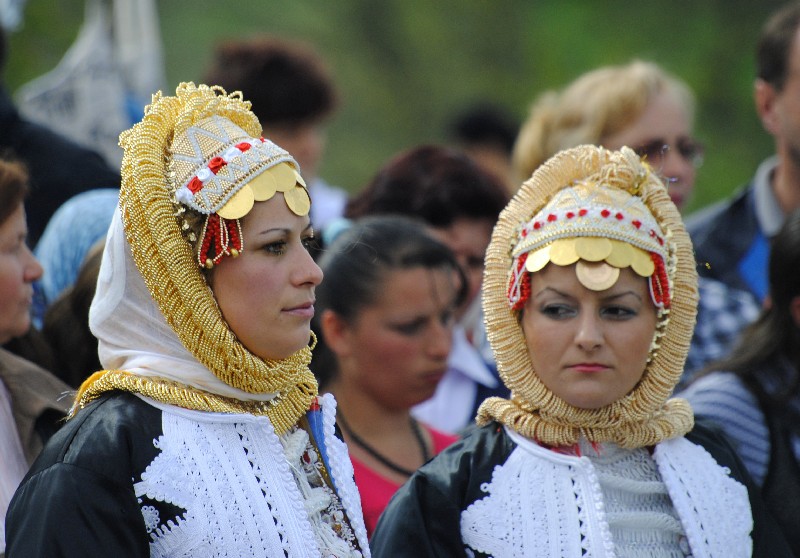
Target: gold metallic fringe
173, 393
167, 262
642, 418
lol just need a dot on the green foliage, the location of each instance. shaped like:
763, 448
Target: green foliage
405, 67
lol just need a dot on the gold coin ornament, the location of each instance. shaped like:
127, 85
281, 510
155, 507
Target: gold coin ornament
298, 200
538, 259
596, 276
264, 186
588, 221
593, 249
621, 254
220, 171
643, 264
239, 205
563, 252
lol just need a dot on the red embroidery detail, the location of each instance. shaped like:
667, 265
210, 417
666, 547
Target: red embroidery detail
659, 282
524, 233
637, 224
570, 215
244, 146
215, 164
583, 212
537, 225
314, 404
195, 185
619, 216
551, 218
605, 213
524, 285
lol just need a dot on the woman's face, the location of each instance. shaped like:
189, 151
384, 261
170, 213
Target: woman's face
18, 270
588, 347
664, 121
468, 240
396, 350
266, 294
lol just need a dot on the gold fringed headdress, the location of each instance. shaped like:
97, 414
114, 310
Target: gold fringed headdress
602, 210
193, 167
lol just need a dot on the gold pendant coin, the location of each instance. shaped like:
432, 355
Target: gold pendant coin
592, 249
239, 205
596, 276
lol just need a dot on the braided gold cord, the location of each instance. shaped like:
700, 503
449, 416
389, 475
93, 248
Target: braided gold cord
168, 266
644, 416
173, 393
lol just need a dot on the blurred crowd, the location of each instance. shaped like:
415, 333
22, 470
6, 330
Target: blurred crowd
401, 333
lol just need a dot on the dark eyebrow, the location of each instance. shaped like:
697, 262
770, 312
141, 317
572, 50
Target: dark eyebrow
620, 295
285, 230
554, 290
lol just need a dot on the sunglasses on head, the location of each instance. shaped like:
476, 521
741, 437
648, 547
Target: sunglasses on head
654, 151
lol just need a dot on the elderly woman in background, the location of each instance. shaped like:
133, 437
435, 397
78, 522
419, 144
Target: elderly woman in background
32, 401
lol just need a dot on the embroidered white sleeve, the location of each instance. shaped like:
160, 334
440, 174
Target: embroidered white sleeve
342, 473
539, 508
233, 481
714, 508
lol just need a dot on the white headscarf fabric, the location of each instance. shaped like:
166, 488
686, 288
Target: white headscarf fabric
132, 333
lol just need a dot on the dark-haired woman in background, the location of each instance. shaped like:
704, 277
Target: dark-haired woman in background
386, 313
460, 203
754, 394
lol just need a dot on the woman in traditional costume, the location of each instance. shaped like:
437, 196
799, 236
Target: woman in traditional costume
590, 295
204, 435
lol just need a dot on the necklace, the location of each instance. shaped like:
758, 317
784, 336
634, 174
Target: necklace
415, 427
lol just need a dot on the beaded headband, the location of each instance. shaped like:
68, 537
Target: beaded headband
219, 171
604, 183
601, 230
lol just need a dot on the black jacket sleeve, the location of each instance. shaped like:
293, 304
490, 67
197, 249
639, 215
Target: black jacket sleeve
78, 499
423, 519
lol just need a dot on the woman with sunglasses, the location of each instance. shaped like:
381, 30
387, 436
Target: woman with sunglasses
651, 111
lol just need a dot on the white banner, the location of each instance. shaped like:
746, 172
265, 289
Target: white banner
104, 80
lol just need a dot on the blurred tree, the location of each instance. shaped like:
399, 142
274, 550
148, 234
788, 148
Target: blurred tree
404, 67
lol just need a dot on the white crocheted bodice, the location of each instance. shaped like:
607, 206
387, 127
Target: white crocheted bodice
540, 503
248, 492
641, 518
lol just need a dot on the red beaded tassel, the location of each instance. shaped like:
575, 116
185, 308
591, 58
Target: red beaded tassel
524, 283
220, 238
659, 282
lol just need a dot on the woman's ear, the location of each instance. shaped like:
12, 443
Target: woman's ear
794, 310
336, 332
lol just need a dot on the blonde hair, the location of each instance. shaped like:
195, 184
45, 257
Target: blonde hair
595, 106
